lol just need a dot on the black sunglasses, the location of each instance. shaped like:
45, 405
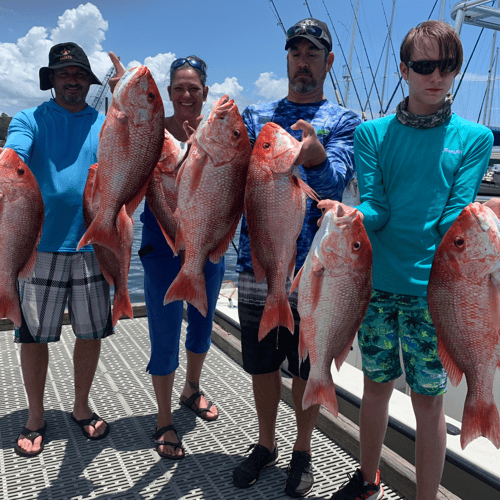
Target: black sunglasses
445, 66
307, 29
194, 63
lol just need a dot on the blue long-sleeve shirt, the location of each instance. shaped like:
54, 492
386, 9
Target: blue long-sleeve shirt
59, 147
413, 184
334, 126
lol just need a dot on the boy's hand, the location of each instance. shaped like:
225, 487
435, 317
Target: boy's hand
119, 71
312, 153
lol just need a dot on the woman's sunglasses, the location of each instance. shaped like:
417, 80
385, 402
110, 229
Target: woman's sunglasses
427, 67
194, 63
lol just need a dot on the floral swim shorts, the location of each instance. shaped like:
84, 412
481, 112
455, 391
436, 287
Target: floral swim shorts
393, 320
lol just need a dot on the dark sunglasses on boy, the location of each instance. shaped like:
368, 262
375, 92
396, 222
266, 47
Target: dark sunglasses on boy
194, 63
445, 66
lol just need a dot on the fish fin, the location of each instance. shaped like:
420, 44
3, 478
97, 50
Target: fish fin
341, 357
320, 389
170, 242
455, 374
27, 270
295, 282
132, 205
191, 288
121, 305
219, 252
307, 324
277, 312
180, 244
258, 270
196, 172
9, 307
291, 265
308, 190
480, 419
99, 234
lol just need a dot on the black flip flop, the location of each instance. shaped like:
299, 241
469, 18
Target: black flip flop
91, 421
31, 435
200, 412
158, 434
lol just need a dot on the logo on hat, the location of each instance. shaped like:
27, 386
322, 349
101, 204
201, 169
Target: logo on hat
65, 54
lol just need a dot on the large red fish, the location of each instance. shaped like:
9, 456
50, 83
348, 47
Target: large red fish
115, 268
130, 145
211, 183
464, 302
275, 207
162, 190
21, 221
334, 290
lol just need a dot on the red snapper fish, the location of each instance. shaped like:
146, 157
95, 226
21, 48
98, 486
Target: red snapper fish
334, 290
130, 145
21, 221
115, 268
275, 207
464, 302
162, 190
211, 184
494, 204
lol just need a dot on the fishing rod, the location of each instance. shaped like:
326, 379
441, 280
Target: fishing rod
340, 99
280, 23
363, 114
396, 63
369, 65
468, 62
341, 49
376, 71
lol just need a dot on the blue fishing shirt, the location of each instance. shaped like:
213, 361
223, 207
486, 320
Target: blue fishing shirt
334, 126
59, 147
414, 183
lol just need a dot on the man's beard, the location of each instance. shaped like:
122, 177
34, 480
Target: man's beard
303, 86
74, 99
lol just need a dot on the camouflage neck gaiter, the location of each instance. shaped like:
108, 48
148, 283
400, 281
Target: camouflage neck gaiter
427, 121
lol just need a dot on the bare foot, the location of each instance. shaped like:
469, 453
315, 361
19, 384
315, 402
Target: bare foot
165, 449
25, 444
100, 426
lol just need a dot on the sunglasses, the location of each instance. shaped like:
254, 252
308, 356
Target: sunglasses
427, 67
307, 29
194, 63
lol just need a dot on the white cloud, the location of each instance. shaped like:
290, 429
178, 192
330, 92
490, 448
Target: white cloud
21, 61
271, 88
229, 86
473, 77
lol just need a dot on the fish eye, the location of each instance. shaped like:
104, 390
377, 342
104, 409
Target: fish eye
266, 145
459, 241
152, 96
236, 133
357, 245
20, 171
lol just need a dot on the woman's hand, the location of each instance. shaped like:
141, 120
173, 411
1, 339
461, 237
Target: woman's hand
312, 153
119, 71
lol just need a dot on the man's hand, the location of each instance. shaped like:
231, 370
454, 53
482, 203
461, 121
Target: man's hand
119, 71
312, 153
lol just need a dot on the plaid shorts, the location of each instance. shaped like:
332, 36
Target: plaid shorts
60, 278
393, 319
267, 356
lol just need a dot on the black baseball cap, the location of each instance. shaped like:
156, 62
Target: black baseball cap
65, 54
313, 30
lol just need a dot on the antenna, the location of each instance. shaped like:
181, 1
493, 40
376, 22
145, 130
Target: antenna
99, 96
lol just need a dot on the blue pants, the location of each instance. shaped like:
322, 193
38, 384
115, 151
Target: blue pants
160, 270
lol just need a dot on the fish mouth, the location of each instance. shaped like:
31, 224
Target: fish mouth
482, 222
135, 72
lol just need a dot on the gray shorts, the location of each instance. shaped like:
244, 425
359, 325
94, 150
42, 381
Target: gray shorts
59, 279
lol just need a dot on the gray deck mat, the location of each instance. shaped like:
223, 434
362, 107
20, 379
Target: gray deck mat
125, 464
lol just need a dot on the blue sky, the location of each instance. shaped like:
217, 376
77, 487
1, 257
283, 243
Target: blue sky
240, 40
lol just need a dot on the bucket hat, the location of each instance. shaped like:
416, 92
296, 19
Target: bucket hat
61, 55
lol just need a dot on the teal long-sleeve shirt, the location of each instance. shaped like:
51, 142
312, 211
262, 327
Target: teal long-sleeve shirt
413, 185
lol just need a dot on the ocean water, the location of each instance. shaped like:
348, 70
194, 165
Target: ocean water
136, 273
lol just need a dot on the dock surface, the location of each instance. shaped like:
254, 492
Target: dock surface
125, 465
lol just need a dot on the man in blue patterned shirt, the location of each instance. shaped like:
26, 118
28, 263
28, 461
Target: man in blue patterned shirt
326, 164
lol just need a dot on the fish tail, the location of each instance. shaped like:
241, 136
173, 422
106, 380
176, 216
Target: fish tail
9, 308
191, 288
320, 389
122, 306
100, 234
277, 312
480, 419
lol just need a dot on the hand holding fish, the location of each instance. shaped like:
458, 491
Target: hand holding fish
312, 153
119, 71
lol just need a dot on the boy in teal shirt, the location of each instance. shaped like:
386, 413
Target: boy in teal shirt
417, 170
